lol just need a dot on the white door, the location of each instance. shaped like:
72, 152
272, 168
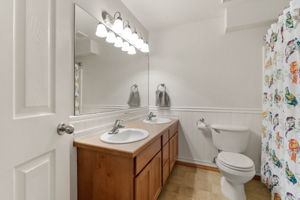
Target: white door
35, 95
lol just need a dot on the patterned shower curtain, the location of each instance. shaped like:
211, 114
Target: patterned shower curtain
281, 106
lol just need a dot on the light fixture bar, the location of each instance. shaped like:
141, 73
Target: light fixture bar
121, 36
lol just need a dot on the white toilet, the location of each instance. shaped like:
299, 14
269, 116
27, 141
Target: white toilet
236, 168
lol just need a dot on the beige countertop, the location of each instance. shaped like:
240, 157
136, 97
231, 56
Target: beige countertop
129, 149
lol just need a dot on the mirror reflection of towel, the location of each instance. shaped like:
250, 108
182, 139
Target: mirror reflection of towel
134, 99
162, 99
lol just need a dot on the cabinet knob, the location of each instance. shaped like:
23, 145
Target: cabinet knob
63, 128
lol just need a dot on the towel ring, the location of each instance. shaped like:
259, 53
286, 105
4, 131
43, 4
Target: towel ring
163, 86
134, 87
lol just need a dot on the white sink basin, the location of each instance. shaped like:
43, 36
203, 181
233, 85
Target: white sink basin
157, 120
125, 135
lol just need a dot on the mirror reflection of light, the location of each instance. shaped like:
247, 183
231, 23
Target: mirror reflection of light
118, 42
127, 33
111, 37
134, 37
101, 31
121, 35
118, 26
145, 48
125, 46
131, 50
139, 43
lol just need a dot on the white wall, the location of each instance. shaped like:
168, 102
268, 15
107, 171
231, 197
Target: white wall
241, 14
209, 74
203, 66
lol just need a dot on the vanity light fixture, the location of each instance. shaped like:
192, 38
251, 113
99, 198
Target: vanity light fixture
111, 37
139, 43
118, 23
101, 31
134, 37
118, 42
125, 46
145, 48
121, 36
127, 31
131, 50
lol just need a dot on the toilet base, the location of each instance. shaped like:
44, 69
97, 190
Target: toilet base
232, 191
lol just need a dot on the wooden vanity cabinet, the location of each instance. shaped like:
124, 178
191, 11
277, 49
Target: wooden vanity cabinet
105, 175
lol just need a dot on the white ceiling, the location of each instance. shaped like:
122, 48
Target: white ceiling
157, 14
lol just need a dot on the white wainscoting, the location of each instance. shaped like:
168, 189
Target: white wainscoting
98, 108
195, 145
86, 125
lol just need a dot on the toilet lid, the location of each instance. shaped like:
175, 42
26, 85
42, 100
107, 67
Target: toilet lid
235, 160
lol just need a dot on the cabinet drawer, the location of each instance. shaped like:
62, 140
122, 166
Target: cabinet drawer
173, 130
146, 155
165, 137
166, 171
165, 152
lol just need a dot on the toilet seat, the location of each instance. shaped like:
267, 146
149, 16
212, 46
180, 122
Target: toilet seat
236, 161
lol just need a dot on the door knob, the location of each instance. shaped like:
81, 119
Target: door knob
63, 128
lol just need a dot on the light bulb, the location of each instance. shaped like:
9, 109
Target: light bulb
127, 33
101, 31
118, 42
145, 48
125, 46
118, 25
111, 37
134, 38
139, 43
131, 50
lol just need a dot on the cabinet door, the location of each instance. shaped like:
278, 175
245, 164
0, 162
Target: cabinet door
176, 146
165, 153
173, 150
148, 182
166, 171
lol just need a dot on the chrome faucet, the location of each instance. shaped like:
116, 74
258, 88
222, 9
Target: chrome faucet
150, 116
116, 127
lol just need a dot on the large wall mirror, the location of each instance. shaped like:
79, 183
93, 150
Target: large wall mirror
106, 78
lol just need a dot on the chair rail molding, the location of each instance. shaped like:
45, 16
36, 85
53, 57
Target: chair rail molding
207, 109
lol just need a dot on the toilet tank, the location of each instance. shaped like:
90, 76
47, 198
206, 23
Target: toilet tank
230, 138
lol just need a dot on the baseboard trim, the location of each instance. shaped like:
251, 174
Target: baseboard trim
197, 166
187, 164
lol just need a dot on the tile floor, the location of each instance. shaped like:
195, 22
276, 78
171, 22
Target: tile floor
188, 183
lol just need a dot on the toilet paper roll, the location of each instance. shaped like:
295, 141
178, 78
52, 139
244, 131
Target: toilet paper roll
201, 125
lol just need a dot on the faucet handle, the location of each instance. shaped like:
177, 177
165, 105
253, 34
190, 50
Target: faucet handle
118, 123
